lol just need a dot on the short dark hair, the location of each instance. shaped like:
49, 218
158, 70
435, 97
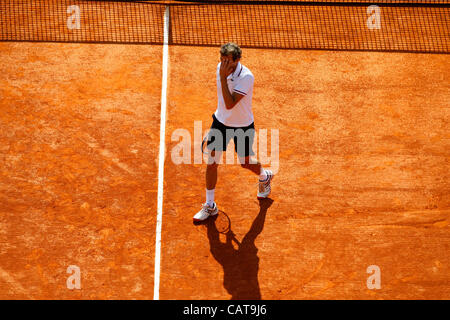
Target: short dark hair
231, 48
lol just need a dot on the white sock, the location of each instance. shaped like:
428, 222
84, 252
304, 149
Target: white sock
263, 174
210, 197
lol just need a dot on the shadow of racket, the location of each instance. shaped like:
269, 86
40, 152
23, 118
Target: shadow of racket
221, 220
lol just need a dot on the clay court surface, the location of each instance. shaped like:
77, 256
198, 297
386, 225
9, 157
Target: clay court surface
363, 176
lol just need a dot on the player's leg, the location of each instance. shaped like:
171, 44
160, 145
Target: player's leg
209, 208
251, 163
243, 144
211, 176
215, 146
243, 141
218, 140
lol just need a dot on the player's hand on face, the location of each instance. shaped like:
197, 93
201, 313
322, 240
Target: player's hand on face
226, 68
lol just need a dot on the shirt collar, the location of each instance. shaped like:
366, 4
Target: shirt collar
236, 72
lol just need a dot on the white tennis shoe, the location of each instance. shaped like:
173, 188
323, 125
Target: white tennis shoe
264, 186
206, 212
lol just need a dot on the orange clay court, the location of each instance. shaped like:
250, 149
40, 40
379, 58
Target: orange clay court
363, 175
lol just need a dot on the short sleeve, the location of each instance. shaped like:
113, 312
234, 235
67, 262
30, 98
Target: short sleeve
244, 85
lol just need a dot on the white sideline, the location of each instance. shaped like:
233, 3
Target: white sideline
162, 133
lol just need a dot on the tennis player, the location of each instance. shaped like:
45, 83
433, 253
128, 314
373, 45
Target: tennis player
233, 119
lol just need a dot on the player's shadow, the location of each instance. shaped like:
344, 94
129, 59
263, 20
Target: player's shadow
240, 262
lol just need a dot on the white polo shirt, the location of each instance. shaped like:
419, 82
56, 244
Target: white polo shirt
240, 81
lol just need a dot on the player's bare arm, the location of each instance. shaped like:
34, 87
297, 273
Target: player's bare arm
231, 99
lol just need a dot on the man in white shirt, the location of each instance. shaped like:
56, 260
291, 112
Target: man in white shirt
233, 119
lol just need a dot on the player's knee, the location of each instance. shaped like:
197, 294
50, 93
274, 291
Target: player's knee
213, 162
245, 165
246, 162
212, 165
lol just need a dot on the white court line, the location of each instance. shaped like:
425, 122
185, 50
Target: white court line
162, 133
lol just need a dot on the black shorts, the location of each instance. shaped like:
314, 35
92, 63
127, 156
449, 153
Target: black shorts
220, 135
